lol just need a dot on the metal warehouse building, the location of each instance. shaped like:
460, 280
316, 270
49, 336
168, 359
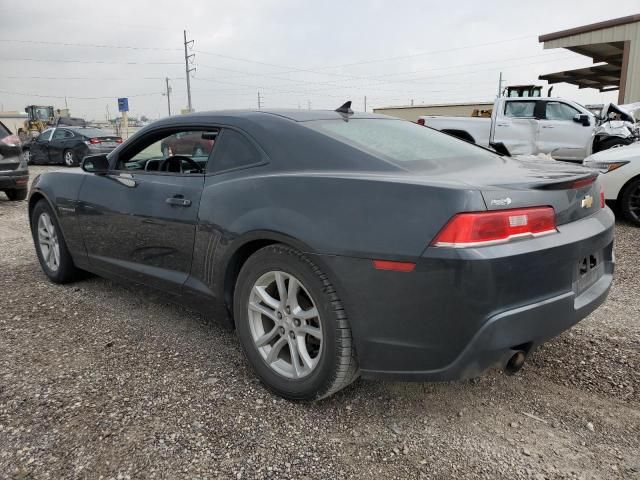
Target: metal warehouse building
614, 45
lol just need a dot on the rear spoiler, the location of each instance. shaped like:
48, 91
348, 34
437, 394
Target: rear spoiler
572, 184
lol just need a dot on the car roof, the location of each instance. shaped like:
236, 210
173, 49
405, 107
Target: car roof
290, 114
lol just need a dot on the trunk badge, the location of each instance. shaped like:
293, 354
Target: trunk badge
587, 201
501, 201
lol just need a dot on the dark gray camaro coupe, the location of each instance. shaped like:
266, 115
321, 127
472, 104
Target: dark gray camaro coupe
338, 244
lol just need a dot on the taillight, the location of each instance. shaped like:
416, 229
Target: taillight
420, 121
602, 199
93, 141
488, 228
118, 140
11, 140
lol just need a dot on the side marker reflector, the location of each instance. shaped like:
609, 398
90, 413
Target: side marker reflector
394, 266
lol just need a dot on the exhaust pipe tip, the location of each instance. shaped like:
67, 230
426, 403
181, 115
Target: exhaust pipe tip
515, 363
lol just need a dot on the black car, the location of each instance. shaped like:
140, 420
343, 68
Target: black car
14, 172
69, 145
339, 244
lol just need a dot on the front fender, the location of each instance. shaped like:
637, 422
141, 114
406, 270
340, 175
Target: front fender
60, 189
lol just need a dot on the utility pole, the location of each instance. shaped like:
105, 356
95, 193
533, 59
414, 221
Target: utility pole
365, 104
168, 95
500, 85
187, 60
259, 102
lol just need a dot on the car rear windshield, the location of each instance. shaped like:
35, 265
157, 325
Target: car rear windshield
405, 144
91, 132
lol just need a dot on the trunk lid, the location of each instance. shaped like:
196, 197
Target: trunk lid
572, 190
107, 141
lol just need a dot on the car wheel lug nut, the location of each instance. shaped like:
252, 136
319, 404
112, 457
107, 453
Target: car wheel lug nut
279, 315
288, 310
282, 330
292, 335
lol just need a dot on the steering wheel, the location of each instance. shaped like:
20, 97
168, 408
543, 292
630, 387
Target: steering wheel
164, 166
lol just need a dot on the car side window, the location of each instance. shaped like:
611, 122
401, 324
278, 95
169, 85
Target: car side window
45, 136
234, 151
519, 109
59, 134
179, 152
560, 111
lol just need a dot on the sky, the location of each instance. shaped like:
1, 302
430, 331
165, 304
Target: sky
295, 54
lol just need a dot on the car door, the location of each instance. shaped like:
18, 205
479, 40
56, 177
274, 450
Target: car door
516, 126
61, 140
139, 222
39, 147
560, 135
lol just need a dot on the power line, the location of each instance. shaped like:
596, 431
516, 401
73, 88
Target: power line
88, 45
432, 52
377, 78
39, 60
315, 70
87, 78
25, 94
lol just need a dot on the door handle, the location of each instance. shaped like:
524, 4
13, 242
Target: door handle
548, 126
502, 124
178, 201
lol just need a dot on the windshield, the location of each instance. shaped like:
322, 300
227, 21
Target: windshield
405, 144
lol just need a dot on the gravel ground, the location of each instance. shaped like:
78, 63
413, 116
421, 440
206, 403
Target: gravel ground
102, 381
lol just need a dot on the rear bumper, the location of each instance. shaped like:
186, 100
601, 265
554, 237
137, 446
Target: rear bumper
461, 312
17, 179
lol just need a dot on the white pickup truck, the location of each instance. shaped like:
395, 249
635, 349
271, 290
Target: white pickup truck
529, 126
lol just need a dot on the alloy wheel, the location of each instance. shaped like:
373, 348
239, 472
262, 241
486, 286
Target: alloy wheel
285, 324
68, 158
48, 242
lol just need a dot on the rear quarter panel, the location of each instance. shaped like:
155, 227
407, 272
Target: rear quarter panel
363, 217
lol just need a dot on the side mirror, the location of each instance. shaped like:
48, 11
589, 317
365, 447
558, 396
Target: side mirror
98, 164
582, 118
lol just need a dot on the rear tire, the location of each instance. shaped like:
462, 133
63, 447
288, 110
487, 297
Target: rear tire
16, 194
26, 154
332, 364
59, 268
630, 202
69, 158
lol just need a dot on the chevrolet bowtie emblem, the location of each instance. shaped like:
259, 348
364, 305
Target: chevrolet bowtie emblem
587, 201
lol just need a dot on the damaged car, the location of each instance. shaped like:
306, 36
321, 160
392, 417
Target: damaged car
561, 128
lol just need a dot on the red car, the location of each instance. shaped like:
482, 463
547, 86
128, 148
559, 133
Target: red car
187, 143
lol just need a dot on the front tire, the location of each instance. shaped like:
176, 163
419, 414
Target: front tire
292, 325
26, 154
51, 248
630, 202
